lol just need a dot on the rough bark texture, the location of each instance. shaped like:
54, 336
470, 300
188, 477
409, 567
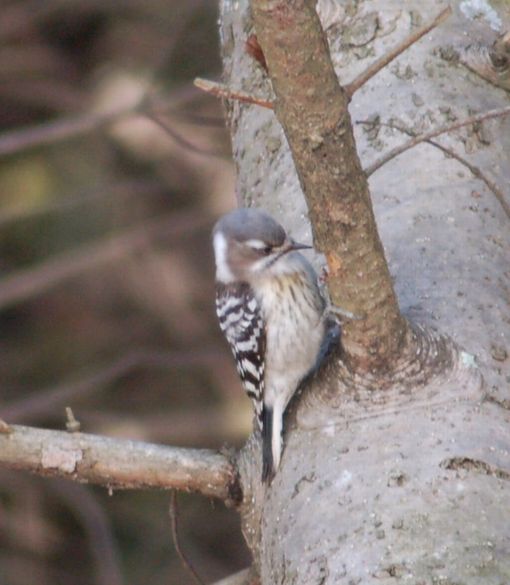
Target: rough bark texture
403, 480
116, 463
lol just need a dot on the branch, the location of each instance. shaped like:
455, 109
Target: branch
312, 109
74, 126
498, 113
51, 132
222, 91
180, 140
476, 171
352, 87
118, 463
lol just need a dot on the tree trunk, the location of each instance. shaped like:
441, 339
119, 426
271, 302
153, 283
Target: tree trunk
409, 478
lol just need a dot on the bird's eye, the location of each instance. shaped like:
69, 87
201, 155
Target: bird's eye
266, 250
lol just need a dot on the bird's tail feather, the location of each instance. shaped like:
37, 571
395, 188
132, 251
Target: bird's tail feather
268, 470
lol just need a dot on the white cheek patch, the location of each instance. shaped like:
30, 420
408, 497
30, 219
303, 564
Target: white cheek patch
223, 272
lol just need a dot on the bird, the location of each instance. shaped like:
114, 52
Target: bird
272, 313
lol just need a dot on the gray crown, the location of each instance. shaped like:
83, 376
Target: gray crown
251, 224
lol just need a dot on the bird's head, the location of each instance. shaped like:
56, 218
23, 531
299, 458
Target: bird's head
249, 244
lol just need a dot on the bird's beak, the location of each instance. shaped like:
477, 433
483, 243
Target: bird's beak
292, 245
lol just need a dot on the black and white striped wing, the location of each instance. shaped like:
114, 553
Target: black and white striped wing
241, 321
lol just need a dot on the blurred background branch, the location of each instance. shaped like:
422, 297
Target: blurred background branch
113, 168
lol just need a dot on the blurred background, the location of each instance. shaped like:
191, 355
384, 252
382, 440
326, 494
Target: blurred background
113, 169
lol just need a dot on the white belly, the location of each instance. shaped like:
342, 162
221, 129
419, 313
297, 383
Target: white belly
293, 315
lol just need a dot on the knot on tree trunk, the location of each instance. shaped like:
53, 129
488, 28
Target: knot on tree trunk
433, 372
428, 360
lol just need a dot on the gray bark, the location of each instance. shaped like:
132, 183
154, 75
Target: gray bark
409, 482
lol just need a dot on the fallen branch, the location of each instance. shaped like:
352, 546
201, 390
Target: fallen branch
118, 463
354, 85
498, 113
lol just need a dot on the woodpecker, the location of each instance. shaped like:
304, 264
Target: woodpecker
272, 313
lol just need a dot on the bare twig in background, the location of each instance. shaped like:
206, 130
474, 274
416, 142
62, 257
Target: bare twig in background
180, 140
117, 463
30, 282
222, 91
14, 141
476, 171
87, 509
45, 401
51, 132
173, 512
497, 113
354, 85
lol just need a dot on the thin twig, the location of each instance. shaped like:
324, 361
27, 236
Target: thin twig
354, 85
118, 463
51, 132
72, 424
476, 171
222, 91
180, 140
74, 126
497, 113
174, 525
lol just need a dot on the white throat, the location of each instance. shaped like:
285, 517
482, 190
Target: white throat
223, 272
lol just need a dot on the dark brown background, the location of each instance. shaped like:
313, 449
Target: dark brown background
125, 335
